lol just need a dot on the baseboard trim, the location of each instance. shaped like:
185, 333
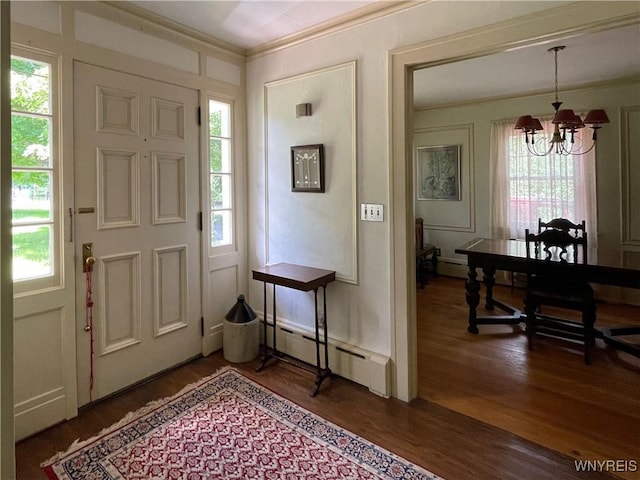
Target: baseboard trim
364, 367
36, 414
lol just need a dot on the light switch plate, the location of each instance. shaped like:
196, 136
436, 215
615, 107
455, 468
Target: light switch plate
372, 212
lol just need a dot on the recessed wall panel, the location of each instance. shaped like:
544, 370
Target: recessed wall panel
118, 189
168, 119
133, 41
38, 355
630, 171
169, 188
117, 111
170, 288
295, 219
119, 301
453, 215
225, 71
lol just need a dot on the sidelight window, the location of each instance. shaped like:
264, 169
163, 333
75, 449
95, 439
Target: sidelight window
35, 218
220, 173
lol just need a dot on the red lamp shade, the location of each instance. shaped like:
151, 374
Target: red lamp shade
537, 125
524, 122
596, 117
577, 123
527, 123
566, 117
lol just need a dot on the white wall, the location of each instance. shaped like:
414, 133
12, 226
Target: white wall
331, 93
613, 97
359, 314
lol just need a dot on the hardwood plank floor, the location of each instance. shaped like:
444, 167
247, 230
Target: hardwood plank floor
488, 407
548, 395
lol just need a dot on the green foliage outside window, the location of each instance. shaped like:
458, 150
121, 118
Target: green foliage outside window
32, 175
220, 172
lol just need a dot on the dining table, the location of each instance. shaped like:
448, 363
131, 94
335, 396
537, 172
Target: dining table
616, 267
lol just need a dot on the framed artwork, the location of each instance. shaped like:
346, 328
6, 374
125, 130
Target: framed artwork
438, 172
307, 168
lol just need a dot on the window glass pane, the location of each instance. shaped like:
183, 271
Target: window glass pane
30, 86
33, 176
30, 141
219, 119
220, 191
220, 155
220, 178
220, 228
31, 196
32, 247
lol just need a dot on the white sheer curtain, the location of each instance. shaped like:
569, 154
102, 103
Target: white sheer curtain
526, 187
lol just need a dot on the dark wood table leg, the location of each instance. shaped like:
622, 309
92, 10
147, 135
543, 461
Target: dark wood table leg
266, 355
472, 296
489, 280
265, 348
514, 315
273, 344
322, 372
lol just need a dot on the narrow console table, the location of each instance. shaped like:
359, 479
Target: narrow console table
304, 279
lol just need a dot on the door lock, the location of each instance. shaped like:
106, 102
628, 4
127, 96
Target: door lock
87, 257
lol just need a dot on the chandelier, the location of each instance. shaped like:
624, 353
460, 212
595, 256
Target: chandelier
565, 125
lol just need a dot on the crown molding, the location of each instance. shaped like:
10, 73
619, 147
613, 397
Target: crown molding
176, 27
621, 81
351, 19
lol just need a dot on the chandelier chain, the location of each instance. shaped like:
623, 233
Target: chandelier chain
556, 61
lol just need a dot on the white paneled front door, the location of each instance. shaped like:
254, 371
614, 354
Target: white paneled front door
137, 202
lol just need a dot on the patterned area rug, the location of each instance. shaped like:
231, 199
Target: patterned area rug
227, 427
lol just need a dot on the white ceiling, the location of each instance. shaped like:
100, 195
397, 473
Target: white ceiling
253, 23
587, 58
250, 23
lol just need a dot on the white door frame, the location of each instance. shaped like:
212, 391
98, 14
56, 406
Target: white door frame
572, 19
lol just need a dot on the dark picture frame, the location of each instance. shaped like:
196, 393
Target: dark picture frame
438, 172
307, 168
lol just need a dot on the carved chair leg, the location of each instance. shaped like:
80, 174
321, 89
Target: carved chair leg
530, 311
588, 320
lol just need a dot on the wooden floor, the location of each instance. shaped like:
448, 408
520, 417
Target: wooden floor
488, 407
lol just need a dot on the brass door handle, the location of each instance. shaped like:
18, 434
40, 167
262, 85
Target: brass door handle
87, 257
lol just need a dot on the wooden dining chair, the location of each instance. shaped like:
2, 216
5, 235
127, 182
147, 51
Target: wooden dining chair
564, 224
423, 252
556, 261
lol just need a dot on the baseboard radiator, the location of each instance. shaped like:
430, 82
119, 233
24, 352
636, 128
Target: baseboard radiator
364, 367
452, 267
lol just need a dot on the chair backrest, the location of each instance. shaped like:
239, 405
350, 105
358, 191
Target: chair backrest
419, 234
576, 229
553, 245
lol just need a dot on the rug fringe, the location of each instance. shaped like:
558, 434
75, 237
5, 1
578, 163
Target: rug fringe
152, 405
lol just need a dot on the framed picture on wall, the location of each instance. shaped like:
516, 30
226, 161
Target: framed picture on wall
307, 168
438, 172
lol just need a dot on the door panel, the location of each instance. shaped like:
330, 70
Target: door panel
137, 182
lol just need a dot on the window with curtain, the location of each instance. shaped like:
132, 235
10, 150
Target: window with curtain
526, 187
